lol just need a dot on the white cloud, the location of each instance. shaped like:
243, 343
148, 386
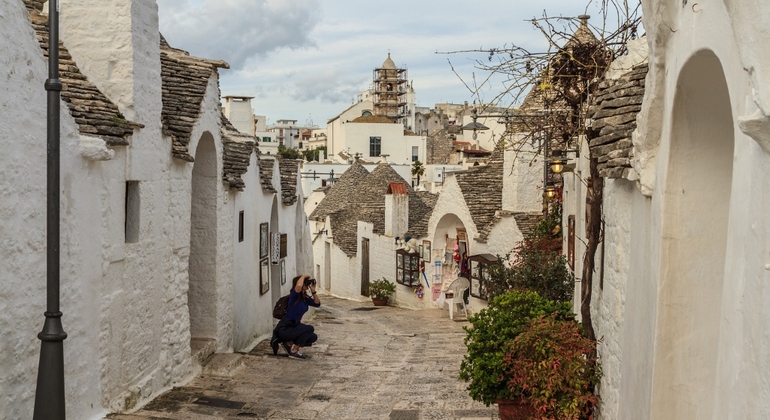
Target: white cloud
236, 30
303, 58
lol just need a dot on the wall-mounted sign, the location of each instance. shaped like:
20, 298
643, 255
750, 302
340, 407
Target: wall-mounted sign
275, 247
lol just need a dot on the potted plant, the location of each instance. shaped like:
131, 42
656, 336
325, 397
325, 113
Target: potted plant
553, 366
380, 290
487, 337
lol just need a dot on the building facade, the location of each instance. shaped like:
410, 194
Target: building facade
152, 237
681, 304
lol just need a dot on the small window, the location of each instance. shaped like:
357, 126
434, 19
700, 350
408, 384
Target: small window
132, 207
415, 153
240, 226
375, 146
407, 268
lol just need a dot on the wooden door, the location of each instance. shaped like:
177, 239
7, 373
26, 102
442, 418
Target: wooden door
364, 267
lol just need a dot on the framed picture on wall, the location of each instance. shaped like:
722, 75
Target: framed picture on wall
264, 276
264, 241
283, 272
426, 250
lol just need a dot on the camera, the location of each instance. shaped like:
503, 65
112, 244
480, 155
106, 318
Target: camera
308, 282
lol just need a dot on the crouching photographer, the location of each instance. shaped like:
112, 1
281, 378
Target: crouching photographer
290, 331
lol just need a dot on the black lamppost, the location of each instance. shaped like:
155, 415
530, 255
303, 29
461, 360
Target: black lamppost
49, 396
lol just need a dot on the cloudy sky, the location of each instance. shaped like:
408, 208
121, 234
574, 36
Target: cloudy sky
307, 59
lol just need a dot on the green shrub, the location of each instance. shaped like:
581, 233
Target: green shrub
491, 329
535, 266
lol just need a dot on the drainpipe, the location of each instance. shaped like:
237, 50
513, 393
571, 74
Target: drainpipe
49, 395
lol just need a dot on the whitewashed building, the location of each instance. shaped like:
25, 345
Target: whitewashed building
681, 305
151, 252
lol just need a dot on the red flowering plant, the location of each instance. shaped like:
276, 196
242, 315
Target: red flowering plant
553, 366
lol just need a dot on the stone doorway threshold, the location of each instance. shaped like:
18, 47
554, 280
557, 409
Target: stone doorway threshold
201, 349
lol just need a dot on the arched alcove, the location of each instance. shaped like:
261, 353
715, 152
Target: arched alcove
696, 207
202, 293
447, 228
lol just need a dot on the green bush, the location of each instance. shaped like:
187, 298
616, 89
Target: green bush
491, 329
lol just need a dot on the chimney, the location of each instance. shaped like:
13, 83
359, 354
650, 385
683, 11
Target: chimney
396, 209
116, 45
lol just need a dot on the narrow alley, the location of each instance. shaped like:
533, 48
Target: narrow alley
369, 363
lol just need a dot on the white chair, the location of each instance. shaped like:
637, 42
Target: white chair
457, 288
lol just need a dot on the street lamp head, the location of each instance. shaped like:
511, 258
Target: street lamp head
550, 191
557, 165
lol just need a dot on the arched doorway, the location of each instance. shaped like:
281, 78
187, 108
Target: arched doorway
450, 232
696, 207
202, 267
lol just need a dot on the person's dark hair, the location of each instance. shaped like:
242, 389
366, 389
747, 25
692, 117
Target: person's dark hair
294, 281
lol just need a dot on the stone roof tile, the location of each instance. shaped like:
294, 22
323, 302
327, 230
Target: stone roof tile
236, 154
289, 168
362, 198
93, 112
185, 80
612, 113
338, 194
482, 188
266, 165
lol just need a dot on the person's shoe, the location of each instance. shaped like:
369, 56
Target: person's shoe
274, 345
287, 347
297, 355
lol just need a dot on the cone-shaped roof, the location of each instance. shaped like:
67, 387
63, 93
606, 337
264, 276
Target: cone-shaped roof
389, 64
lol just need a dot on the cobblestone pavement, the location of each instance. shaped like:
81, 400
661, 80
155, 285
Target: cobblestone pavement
369, 363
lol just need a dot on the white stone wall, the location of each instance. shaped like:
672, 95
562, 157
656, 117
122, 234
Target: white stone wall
641, 342
336, 135
393, 141
23, 221
116, 71
125, 304
522, 181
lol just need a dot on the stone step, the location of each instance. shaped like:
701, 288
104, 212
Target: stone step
201, 349
222, 364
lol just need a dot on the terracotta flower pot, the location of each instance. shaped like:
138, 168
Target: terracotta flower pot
380, 302
515, 409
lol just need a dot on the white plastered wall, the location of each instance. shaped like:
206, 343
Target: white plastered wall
725, 380
23, 232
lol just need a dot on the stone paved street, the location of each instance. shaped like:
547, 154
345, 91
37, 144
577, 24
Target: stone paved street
368, 363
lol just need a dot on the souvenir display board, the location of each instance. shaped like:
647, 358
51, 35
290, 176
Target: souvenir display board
407, 268
479, 267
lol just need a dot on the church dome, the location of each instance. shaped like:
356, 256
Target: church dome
389, 64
